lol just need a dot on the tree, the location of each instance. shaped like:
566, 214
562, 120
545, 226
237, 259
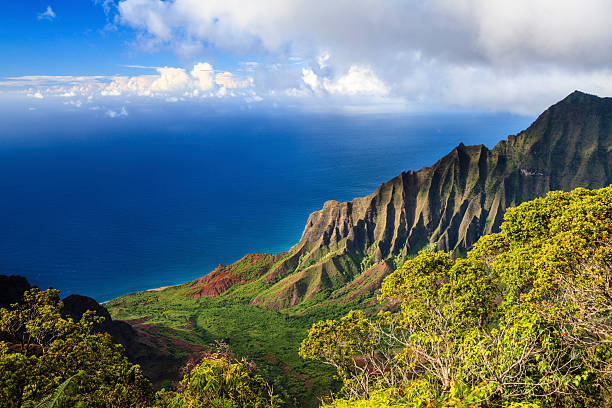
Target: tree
221, 381
524, 321
44, 350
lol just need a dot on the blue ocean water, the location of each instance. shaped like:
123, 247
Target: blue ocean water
105, 207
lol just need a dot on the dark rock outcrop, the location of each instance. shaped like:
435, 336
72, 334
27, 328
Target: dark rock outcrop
11, 289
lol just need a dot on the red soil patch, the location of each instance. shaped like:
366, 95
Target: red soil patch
222, 278
215, 283
138, 321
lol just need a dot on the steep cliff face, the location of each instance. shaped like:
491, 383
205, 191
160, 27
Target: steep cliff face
447, 206
452, 203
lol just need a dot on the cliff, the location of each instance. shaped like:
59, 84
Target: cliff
347, 248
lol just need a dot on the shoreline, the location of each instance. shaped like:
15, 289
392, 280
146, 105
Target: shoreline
160, 288
146, 290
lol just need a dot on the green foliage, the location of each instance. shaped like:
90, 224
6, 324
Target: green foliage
269, 338
337, 341
53, 400
378, 399
524, 321
219, 381
45, 352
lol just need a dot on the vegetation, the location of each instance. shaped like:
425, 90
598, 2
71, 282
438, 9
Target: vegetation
50, 361
54, 360
220, 381
523, 321
269, 338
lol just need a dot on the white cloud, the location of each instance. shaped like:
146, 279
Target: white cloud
227, 80
203, 72
48, 14
358, 80
139, 85
453, 30
169, 84
429, 53
171, 80
311, 79
201, 81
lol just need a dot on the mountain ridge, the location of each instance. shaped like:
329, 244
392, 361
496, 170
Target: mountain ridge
263, 305
446, 206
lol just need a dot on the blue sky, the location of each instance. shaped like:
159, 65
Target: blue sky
360, 55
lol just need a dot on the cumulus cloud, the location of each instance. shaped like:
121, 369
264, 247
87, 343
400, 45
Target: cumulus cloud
201, 81
357, 81
203, 72
171, 80
447, 53
170, 84
48, 14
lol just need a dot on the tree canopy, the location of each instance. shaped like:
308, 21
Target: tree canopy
44, 350
48, 360
523, 321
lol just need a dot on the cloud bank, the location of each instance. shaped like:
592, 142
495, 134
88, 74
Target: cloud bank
201, 81
365, 55
466, 53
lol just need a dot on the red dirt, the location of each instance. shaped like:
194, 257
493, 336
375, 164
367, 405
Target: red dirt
138, 321
221, 279
215, 283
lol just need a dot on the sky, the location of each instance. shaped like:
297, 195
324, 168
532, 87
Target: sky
364, 56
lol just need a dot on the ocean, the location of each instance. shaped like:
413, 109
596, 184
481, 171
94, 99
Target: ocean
104, 207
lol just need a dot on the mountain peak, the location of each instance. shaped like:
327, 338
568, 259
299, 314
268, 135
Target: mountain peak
578, 97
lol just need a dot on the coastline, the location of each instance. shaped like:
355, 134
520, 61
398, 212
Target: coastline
160, 288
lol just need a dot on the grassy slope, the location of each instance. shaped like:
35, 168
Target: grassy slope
270, 338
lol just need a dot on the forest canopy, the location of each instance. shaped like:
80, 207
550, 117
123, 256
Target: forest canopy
523, 321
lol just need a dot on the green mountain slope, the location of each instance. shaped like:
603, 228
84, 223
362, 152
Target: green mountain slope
347, 249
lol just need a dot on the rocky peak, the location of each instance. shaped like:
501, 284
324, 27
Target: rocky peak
462, 196
345, 246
